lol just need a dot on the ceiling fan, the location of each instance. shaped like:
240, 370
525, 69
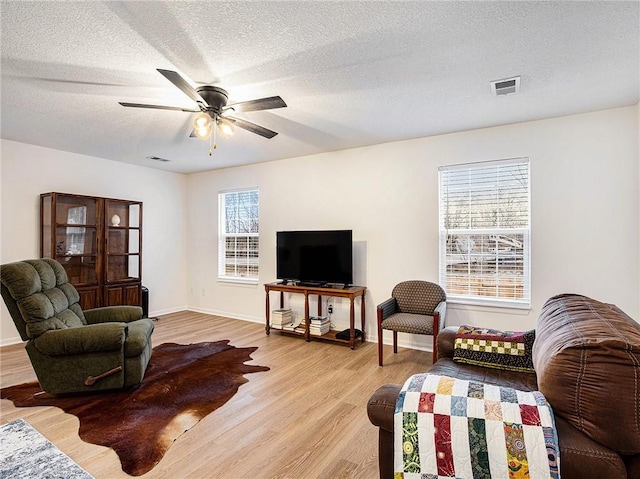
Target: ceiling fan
213, 109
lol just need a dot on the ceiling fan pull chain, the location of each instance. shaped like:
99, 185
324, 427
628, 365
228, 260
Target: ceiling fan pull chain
212, 137
215, 131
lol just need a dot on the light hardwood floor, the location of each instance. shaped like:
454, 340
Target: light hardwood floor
305, 418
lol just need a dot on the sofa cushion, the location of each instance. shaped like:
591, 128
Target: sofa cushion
587, 359
491, 348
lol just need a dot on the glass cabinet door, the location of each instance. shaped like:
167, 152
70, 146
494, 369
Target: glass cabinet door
75, 237
123, 240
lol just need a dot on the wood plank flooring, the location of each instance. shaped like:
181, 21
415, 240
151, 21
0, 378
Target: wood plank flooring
305, 418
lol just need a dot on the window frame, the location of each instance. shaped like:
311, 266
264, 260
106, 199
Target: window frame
251, 237
505, 291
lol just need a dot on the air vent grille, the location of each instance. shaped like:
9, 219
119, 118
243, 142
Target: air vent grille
157, 158
505, 86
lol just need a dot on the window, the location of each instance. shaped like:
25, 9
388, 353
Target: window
485, 231
238, 235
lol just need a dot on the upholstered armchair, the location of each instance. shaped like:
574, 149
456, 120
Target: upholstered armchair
416, 307
72, 350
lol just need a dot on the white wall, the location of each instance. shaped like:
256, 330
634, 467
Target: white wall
585, 209
585, 214
26, 171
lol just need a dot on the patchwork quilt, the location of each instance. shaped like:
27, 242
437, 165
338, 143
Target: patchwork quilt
491, 348
459, 429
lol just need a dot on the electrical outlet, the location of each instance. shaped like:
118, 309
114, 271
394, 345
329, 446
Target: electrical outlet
330, 309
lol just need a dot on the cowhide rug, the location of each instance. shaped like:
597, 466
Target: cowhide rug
182, 384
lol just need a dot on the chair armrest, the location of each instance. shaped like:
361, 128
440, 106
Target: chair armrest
382, 405
81, 340
387, 308
446, 342
113, 314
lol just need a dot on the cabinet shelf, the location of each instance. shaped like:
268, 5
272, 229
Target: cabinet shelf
330, 336
74, 225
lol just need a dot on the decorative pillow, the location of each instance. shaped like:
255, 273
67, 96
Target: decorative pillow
510, 350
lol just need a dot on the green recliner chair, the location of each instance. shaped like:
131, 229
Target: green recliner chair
72, 350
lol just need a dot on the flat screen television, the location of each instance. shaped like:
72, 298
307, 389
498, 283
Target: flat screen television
315, 257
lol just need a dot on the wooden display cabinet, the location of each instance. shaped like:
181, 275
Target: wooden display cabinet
99, 243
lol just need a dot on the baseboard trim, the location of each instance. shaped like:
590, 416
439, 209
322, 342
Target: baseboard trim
160, 312
226, 314
10, 341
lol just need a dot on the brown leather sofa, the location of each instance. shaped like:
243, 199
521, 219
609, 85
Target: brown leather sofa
587, 361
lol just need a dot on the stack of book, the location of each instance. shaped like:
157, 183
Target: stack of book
281, 318
299, 328
319, 325
295, 327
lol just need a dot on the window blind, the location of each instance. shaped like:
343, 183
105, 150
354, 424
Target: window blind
238, 238
484, 213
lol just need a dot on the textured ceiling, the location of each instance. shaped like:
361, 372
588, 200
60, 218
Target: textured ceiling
352, 73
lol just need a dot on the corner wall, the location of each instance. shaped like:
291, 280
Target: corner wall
585, 215
27, 170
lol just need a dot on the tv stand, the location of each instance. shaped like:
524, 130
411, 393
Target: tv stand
350, 292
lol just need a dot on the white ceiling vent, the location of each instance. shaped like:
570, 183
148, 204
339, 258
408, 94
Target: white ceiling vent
157, 158
505, 86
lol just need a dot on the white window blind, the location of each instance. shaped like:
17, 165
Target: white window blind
238, 239
485, 232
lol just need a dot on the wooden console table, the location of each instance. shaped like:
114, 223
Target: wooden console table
351, 292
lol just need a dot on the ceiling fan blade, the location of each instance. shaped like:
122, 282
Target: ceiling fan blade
181, 83
158, 107
252, 127
260, 104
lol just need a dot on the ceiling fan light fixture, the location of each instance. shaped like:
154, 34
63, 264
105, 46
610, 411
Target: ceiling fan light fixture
226, 128
202, 125
212, 103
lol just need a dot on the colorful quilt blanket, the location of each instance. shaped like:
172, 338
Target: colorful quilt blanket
452, 428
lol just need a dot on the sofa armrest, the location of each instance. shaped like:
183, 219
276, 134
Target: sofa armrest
446, 342
138, 337
581, 456
382, 405
113, 314
387, 308
82, 340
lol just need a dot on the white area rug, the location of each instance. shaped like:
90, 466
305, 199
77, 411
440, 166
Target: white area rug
27, 454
